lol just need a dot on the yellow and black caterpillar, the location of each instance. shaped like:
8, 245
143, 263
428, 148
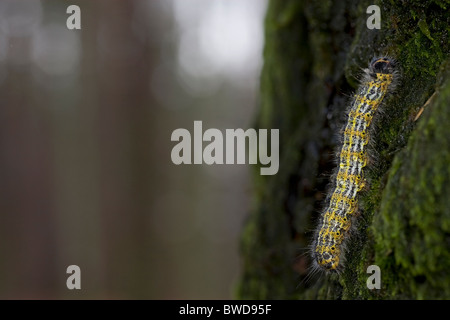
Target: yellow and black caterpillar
336, 220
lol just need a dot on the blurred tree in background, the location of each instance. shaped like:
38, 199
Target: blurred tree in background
313, 55
86, 118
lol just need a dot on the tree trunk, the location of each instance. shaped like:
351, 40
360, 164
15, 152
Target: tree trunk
313, 55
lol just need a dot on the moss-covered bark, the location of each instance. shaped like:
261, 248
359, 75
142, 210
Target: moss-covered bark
313, 55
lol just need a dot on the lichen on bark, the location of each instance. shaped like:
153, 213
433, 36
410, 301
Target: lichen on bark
314, 52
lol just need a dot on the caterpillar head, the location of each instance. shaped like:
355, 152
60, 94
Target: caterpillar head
382, 65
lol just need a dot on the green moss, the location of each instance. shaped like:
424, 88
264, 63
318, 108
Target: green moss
412, 225
312, 58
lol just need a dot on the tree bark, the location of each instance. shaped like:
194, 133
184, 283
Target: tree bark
314, 53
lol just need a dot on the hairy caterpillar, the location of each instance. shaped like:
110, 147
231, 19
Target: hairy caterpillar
335, 222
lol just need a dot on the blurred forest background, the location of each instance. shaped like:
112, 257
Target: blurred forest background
85, 123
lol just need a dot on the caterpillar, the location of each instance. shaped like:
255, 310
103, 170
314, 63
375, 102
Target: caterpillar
334, 225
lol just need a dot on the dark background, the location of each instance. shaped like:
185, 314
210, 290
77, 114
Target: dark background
85, 123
